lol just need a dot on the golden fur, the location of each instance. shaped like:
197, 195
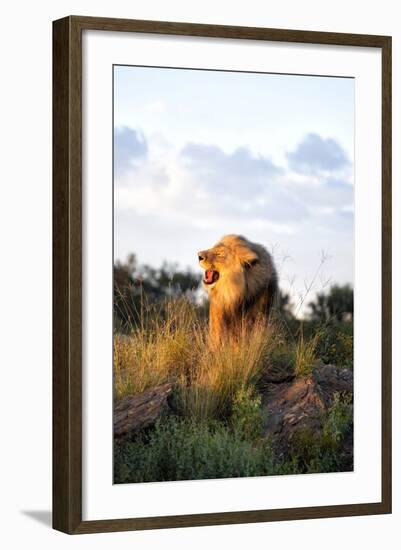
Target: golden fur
241, 281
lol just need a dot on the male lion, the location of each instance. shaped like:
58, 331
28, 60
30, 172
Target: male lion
241, 281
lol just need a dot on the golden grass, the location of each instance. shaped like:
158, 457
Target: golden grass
171, 344
305, 353
174, 347
158, 350
217, 375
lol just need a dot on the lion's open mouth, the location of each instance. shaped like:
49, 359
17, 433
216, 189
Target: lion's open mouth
210, 276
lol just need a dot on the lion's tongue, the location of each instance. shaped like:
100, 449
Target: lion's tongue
209, 275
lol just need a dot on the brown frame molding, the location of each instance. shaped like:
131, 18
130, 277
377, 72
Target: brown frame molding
67, 274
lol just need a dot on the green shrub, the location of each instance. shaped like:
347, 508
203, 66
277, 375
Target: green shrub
320, 451
338, 421
281, 360
180, 449
247, 418
295, 354
335, 346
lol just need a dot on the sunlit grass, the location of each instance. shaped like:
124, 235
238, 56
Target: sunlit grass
170, 343
218, 374
175, 347
159, 349
305, 353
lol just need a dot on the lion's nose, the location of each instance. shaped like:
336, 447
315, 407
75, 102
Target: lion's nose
201, 256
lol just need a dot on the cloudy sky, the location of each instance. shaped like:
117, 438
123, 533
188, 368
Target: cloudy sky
199, 154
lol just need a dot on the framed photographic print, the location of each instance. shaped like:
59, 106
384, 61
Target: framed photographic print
221, 274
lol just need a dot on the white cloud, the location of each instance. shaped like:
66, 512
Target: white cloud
176, 202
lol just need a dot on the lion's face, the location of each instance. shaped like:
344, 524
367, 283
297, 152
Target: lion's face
226, 264
216, 262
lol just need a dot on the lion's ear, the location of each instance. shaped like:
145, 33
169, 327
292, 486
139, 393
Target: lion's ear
248, 258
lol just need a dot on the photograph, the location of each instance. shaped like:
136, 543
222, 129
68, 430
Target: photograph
202, 299
233, 274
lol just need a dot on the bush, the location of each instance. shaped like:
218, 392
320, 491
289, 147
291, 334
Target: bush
295, 354
338, 421
320, 451
247, 418
335, 346
179, 449
182, 449
281, 360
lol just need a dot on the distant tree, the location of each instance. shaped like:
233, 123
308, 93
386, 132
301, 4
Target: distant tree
337, 304
123, 273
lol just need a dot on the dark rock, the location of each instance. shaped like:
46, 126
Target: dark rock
135, 412
330, 380
302, 405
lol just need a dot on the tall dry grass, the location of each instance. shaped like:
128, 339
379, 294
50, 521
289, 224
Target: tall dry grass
305, 353
219, 374
174, 346
158, 349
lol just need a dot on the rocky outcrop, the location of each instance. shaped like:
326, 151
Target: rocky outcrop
135, 412
302, 404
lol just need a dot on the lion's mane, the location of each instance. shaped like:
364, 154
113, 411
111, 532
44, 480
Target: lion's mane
241, 281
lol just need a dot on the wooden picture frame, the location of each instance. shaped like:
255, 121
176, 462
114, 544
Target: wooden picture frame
67, 273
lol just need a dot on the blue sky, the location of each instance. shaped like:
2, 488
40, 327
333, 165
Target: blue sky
199, 154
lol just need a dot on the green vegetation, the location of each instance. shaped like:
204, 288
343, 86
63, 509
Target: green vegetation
217, 426
247, 418
335, 345
319, 451
305, 353
176, 349
181, 448
158, 349
337, 304
138, 287
187, 449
